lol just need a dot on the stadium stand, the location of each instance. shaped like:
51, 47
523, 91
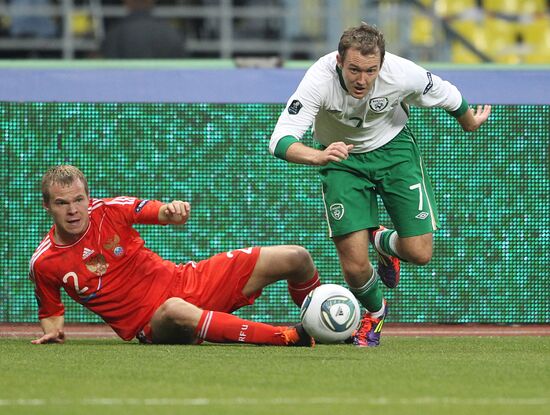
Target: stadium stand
467, 31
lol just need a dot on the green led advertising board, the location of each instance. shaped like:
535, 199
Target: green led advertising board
490, 261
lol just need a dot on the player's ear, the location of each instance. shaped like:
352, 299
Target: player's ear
339, 60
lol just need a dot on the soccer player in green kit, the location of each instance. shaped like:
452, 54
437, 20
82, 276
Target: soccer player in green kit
357, 99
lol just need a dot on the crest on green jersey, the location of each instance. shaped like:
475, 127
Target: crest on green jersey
337, 210
378, 104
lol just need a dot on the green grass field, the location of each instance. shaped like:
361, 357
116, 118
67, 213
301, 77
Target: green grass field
425, 375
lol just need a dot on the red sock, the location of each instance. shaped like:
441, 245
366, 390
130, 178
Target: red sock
299, 291
218, 327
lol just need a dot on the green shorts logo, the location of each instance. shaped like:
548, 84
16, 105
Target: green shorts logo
337, 211
422, 215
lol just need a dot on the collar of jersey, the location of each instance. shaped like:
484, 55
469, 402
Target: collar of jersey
341, 78
74, 243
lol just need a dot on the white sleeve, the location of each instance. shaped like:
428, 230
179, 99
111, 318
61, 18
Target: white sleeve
430, 90
300, 111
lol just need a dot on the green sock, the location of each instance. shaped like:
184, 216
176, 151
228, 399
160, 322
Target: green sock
370, 294
384, 242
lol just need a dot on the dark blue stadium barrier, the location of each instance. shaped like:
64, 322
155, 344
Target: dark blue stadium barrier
479, 85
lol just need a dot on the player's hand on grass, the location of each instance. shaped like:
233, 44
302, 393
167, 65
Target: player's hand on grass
176, 212
57, 336
334, 152
473, 119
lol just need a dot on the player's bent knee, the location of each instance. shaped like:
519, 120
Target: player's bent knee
299, 259
180, 311
417, 251
302, 256
421, 258
175, 322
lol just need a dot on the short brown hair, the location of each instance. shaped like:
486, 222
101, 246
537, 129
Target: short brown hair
64, 175
366, 39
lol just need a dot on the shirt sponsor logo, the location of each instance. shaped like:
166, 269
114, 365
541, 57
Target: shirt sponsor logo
294, 107
430, 83
141, 205
118, 251
337, 211
378, 104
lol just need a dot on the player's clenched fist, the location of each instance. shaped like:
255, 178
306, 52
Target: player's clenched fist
175, 212
334, 152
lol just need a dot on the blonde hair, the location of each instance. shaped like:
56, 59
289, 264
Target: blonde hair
63, 175
365, 38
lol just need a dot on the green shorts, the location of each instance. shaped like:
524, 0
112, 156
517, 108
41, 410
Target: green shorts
394, 171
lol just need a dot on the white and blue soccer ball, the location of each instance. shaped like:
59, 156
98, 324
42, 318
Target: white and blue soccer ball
330, 313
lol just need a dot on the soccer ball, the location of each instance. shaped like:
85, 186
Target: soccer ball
330, 313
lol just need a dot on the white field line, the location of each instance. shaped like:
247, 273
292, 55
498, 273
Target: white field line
468, 332
190, 402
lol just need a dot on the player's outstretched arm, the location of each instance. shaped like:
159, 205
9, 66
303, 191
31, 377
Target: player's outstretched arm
302, 154
472, 119
53, 330
175, 212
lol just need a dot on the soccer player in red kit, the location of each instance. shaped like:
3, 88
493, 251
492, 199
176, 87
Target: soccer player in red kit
93, 252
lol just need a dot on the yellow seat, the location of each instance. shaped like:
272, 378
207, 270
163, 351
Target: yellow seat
81, 24
536, 39
515, 7
460, 54
422, 30
352, 9
453, 8
510, 7
537, 57
534, 7
473, 33
536, 33
502, 35
469, 29
427, 3
5, 22
310, 27
512, 58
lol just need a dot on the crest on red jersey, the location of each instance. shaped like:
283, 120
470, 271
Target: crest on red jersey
97, 264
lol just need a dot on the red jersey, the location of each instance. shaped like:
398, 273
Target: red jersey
108, 270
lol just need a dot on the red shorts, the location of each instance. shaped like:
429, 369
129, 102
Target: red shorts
214, 284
